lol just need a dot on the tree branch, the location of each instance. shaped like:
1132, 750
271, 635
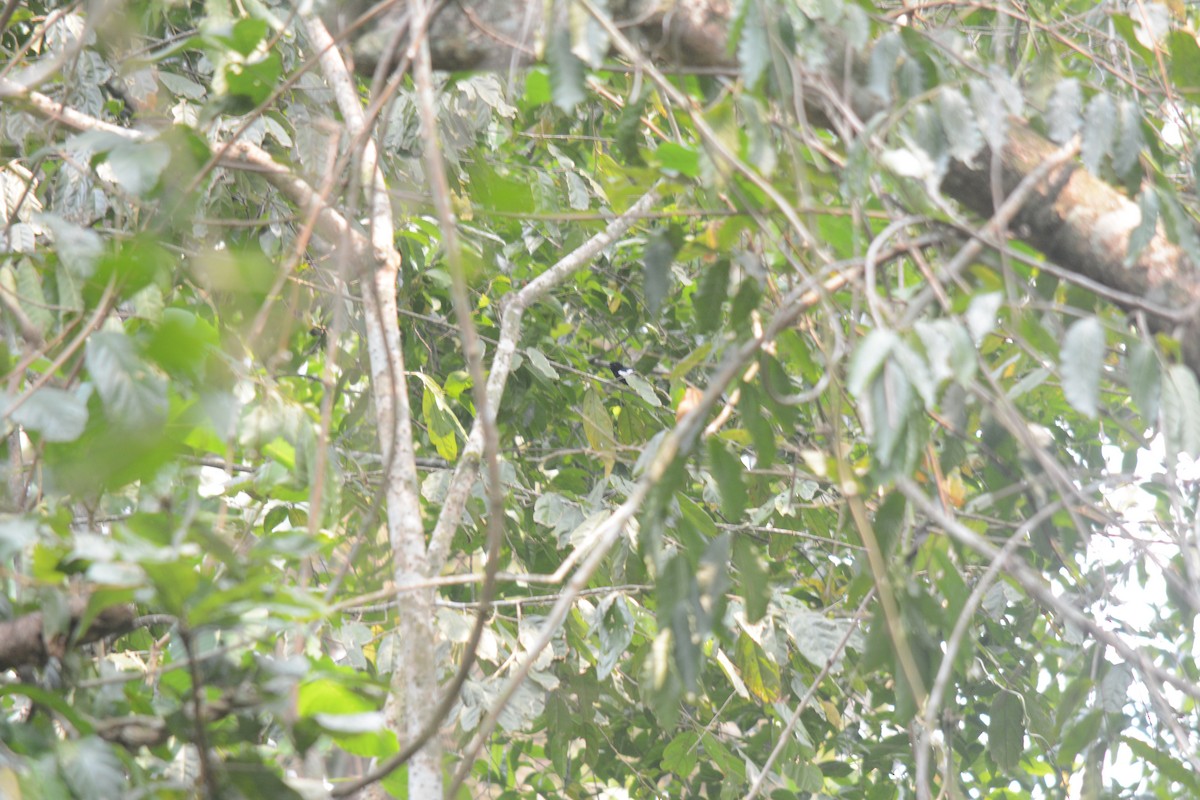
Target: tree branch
467, 469
23, 641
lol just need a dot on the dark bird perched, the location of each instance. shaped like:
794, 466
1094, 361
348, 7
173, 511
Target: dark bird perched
620, 371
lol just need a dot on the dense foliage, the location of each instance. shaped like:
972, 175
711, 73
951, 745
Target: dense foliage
897, 499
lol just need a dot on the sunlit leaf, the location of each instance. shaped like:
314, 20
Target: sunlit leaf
134, 394
677, 159
753, 47
1081, 361
759, 672
1144, 378
1064, 111
1099, 131
868, 359
958, 121
58, 415
540, 365
1181, 410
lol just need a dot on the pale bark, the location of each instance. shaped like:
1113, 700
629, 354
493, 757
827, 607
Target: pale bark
414, 672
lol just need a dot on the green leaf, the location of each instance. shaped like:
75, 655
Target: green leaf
629, 130
540, 364
690, 362
1128, 147
949, 350
660, 686
1164, 762
353, 720
1181, 410
710, 295
458, 382
92, 769
958, 122
981, 314
881, 68
1006, 731
1099, 131
58, 415
254, 81
1080, 735
500, 191
77, 247
1140, 236
675, 159
137, 262
175, 582
656, 272
644, 389
754, 584
1114, 688
1063, 111
1082, 361
891, 406
440, 422
722, 758
566, 70
1127, 29
247, 34
538, 89
589, 41
138, 166
31, 296
134, 394
753, 46
762, 432
817, 637
869, 358
758, 671
697, 518
615, 624
1144, 378
598, 429
917, 372
183, 343
727, 470
1181, 229
1185, 62
682, 753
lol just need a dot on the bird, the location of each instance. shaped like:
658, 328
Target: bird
620, 371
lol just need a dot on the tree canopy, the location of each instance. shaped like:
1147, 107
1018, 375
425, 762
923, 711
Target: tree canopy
789, 398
